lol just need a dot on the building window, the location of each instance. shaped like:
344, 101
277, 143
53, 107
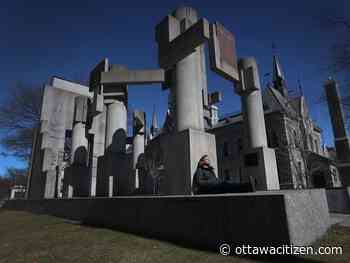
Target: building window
226, 149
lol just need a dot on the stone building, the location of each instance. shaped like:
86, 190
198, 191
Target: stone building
302, 160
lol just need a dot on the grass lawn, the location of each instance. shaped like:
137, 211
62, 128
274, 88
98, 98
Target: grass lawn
25, 237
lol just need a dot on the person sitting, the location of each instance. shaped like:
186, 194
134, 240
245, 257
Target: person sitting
206, 182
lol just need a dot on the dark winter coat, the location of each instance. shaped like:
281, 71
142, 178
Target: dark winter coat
204, 179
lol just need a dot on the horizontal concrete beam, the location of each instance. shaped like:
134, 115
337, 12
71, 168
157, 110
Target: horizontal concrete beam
70, 86
184, 44
133, 77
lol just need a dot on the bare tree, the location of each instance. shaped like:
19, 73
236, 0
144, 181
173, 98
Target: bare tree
19, 114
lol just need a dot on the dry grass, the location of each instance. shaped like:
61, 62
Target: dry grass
25, 237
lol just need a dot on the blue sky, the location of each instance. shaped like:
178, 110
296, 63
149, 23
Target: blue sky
40, 39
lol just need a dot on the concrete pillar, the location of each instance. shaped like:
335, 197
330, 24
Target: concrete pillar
188, 80
259, 161
116, 126
252, 106
202, 84
341, 136
13, 193
77, 176
139, 120
115, 159
138, 149
79, 144
98, 129
70, 191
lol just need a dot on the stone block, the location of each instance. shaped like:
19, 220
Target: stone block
50, 159
57, 114
338, 200
80, 112
133, 77
182, 152
184, 44
97, 104
261, 164
72, 87
222, 52
93, 175
95, 76
167, 30
50, 183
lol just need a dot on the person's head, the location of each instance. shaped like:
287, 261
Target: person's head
204, 160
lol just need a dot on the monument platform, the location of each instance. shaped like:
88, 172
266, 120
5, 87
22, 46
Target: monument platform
271, 218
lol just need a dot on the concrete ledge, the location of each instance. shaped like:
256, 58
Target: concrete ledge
262, 218
339, 200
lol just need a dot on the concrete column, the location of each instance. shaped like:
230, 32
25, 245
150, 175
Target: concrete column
116, 126
202, 83
79, 144
77, 175
341, 136
188, 80
139, 120
138, 148
252, 107
98, 129
13, 192
259, 160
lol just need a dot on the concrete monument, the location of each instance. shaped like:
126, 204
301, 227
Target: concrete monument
180, 37
259, 160
57, 116
104, 161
